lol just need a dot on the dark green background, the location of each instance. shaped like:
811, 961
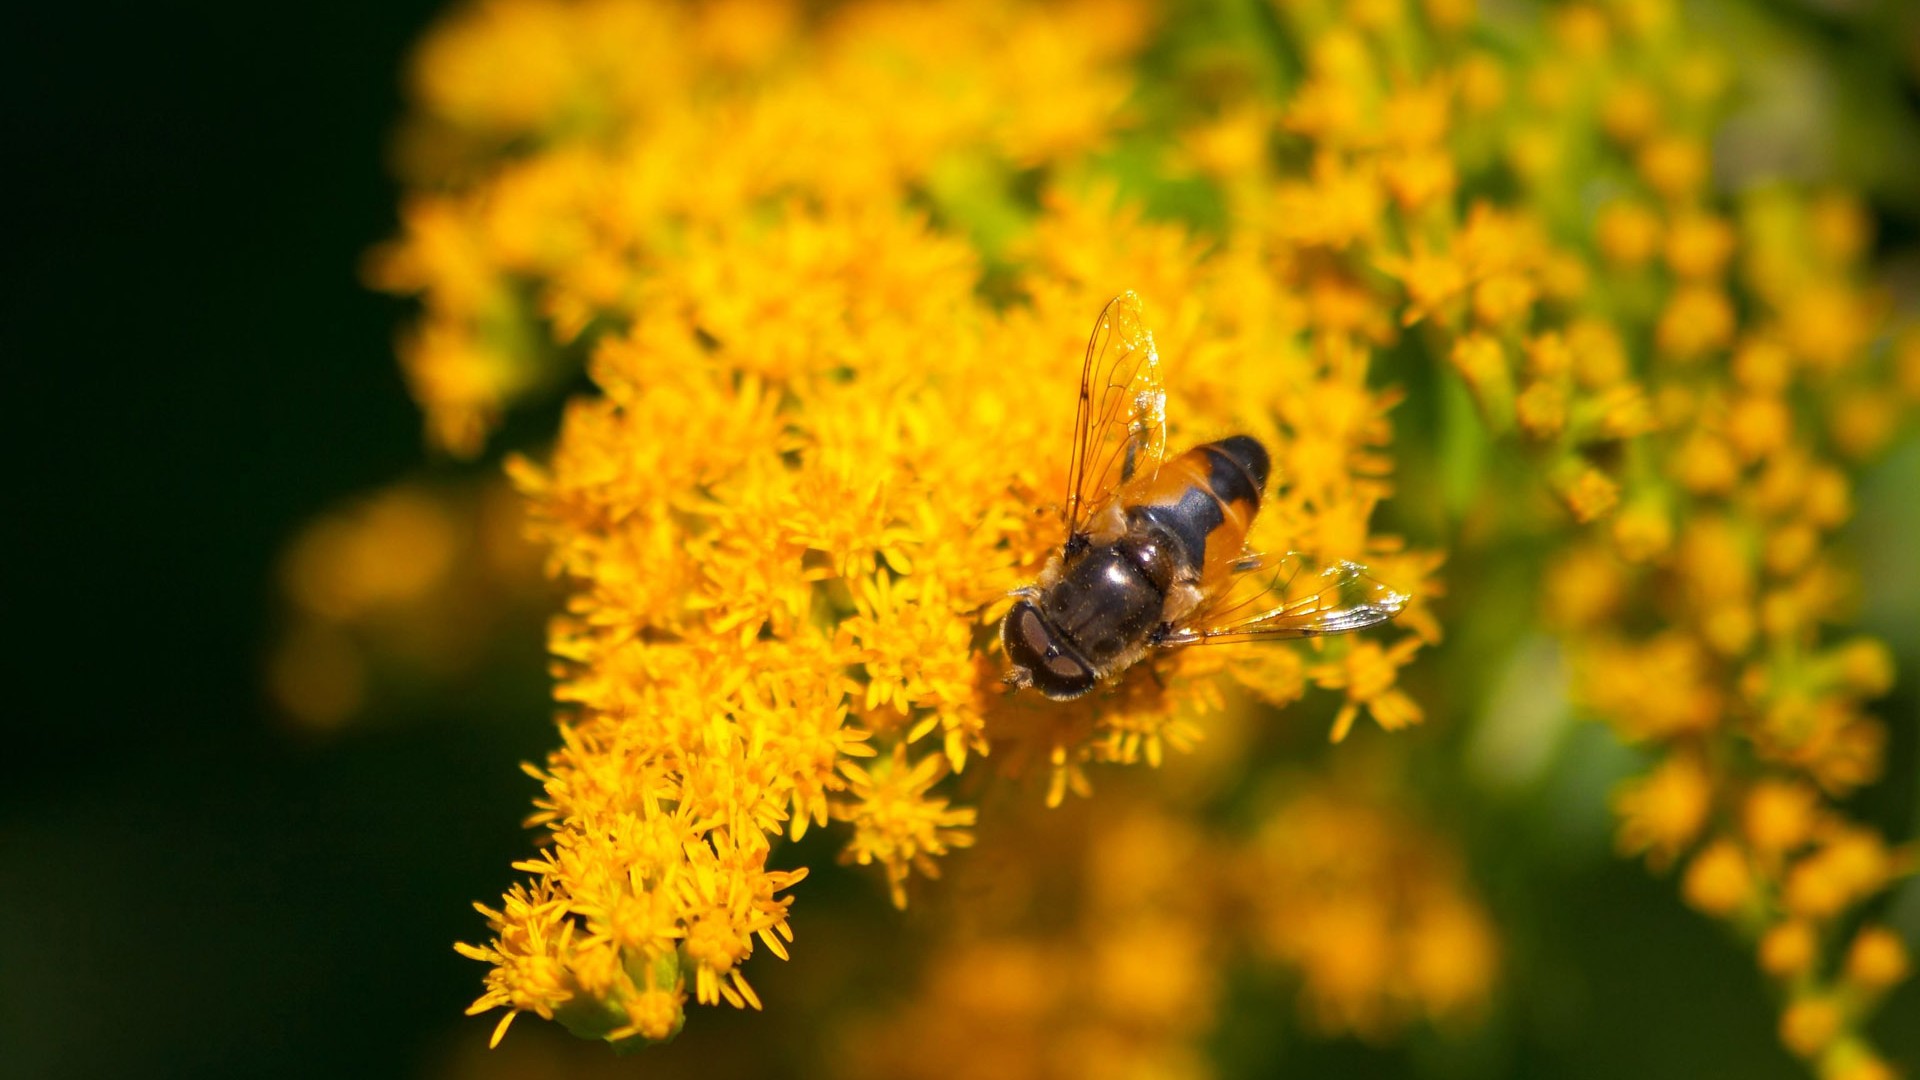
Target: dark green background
186, 887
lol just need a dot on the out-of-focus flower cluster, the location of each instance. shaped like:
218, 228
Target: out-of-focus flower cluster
1691, 374
829, 270
398, 594
1146, 911
1705, 607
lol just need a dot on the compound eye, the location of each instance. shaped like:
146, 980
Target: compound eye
1066, 667
1030, 642
1066, 678
1031, 645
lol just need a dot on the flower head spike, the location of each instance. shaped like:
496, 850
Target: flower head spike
821, 274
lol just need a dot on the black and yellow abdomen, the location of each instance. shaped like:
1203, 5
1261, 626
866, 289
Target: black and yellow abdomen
1205, 500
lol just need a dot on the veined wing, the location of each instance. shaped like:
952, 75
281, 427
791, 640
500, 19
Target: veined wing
1120, 429
1291, 596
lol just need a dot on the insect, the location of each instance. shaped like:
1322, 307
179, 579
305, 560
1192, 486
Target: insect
1155, 555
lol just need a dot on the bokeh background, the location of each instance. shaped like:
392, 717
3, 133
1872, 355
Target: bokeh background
197, 881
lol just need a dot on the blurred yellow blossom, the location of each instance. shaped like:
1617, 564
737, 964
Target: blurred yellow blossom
1372, 912
1100, 944
1877, 959
1788, 949
405, 585
1718, 880
1809, 1025
1663, 812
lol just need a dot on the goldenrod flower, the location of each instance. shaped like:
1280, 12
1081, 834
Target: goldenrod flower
1779, 816
813, 470
828, 270
1371, 911
896, 823
1663, 813
1788, 949
1718, 880
1877, 959
1809, 1025
1367, 675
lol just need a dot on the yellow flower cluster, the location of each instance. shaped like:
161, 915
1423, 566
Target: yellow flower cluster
1122, 977
821, 454
1692, 392
1371, 908
1768, 373
565, 152
830, 270
1145, 908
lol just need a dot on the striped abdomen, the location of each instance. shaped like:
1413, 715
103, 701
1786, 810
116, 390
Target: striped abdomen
1205, 500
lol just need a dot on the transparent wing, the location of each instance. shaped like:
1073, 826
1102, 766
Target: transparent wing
1290, 596
1120, 430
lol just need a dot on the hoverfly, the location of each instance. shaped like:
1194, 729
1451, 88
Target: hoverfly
1154, 556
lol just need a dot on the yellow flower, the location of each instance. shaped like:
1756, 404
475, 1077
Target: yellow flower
1877, 959
1809, 1025
1643, 530
1483, 364
1699, 245
1705, 464
1661, 814
1628, 232
1850, 864
1432, 283
1583, 29
896, 823
1763, 365
1757, 425
1449, 15
1599, 358
1630, 112
1419, 178
1863, 666
388, 552
1483, 83
1503, 300
1367, 675
1851, 1061
1336, 208
1787, 949
918, 660
1674, 165
1779, 816
1826, 325
1371, 909
1718, 880
1658, 689
1590, 494
1698, 319
1542, 409
1454, 961
1863, 422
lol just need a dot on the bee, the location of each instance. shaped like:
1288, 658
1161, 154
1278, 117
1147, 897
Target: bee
1155, 553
